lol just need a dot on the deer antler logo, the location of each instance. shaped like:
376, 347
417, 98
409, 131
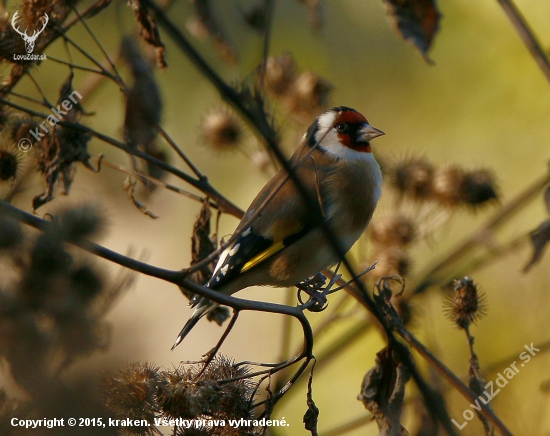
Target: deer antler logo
29, 40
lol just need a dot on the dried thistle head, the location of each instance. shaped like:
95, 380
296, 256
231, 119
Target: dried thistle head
391, 261
465, 304
395, 230
10, 164
262, 161
186, 396
132, 394
479, 186
309, 94
221, 130
279, 75
413, 177
447, 185
454, 186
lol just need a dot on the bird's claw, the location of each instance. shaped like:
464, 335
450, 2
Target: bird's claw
314, 287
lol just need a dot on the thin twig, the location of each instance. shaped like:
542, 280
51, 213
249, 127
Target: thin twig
527, 36
83, 21
101, 161
179, 151
202, 184
77, 67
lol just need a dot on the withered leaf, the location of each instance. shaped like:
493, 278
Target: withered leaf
383, 391
202, 245
149, 30
56, 156
417, 21
311, 417
539, 239
143, 101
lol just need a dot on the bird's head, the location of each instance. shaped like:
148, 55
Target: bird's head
342, 132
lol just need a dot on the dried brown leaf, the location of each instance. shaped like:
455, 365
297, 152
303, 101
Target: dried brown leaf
143, 101
202, 245
416, 20
149, 30
383, 391
311, 417
539, 239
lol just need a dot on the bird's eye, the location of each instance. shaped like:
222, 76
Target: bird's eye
341, 127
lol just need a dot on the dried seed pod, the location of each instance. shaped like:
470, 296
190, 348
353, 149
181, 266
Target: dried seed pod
479, 186
261, 160
465, 304
132, 393
10, 164
280, 74
222, 130
447, 185
309, 94
394, 230
455, 186
413, 178
391, 261
182, 396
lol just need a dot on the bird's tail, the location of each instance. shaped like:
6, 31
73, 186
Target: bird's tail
203, 308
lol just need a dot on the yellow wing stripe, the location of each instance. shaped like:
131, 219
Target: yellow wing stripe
277, 246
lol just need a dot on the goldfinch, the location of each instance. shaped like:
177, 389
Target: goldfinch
284, 244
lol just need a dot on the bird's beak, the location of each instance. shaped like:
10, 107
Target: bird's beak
367, 132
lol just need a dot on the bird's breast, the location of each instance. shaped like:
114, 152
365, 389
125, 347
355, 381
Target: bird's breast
353, 193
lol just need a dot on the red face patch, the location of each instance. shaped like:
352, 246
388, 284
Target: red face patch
347, 124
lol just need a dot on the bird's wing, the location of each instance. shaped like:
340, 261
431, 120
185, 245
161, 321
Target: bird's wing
266, 236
